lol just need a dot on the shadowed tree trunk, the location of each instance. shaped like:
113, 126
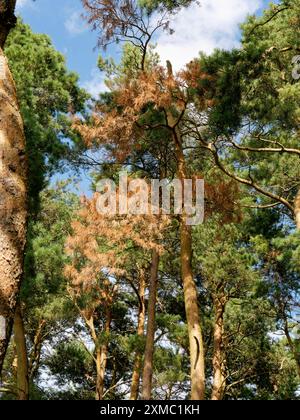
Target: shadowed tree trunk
22, 365
13, 174
219, 380
8, 19
297, 210
150, 338
136, 376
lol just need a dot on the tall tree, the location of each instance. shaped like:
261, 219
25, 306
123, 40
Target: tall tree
151, 328
168, 95
13, 187
280, 278
137, 368
255, 114
43, 310
101, 251
44, 108
224, 267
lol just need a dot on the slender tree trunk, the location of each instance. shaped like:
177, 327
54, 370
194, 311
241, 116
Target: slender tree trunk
297, 210
219, 380
193, 317
101, 359
151, 327
136, 376
292, 345
197, 356
13, 175
101, 351
22, 365
35, 356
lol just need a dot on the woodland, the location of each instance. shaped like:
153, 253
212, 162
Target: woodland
146, 307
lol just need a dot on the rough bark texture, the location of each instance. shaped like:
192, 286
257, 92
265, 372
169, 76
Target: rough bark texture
297, 210
136, 376
22, 364
219, 380
149, 351
13, 213
197, 356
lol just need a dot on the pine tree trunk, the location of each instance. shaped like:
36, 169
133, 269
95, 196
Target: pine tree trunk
13, 211
151, 327
193, 318
297, 210
22, 365
197, 356
136, 376
35, 355
101, 359
219, 380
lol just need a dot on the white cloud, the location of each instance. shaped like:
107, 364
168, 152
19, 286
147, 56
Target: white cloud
22, 3
95, 85
214, 24
75, 24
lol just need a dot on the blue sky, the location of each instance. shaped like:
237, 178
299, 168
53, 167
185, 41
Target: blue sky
215, 24
60, 19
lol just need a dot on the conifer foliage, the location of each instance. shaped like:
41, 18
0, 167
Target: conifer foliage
144, 305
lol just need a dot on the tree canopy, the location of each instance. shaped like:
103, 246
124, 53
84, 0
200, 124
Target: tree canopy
119, 305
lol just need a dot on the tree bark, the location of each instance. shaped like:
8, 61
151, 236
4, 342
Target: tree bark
101, 359
22, 360
297, 210
35, 356
136, 376
219, 380
196, 343
151, 327
13, 199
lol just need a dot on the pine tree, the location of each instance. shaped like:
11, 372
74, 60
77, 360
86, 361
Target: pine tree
13, 187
